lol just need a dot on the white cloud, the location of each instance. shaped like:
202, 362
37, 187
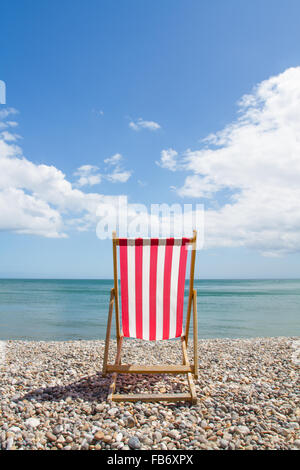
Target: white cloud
142, 124
114, 159
86, 169
4, 113
168, 159
28, 214
89, 175
256, 158
9, 136
38, 199
118, 175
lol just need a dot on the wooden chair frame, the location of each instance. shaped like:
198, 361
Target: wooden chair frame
191, 370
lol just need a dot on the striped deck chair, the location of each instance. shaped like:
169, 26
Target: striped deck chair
152, 275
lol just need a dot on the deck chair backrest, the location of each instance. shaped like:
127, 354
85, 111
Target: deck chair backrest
152, 274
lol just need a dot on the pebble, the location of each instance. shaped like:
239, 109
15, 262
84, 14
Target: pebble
84, 445
15, 429
297, 443
130, 422
243, 430
224, 443
99, 435
10, 443
32, 422
157, 436
51, 437
174, 434
134, 443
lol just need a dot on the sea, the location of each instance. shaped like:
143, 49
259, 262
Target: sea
61, 310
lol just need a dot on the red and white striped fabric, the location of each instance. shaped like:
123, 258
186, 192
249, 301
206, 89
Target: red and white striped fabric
152, 287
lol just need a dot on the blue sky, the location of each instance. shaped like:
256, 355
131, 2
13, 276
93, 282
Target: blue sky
79, 73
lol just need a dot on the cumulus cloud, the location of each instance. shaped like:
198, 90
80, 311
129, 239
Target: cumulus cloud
256, 158
142, 124
87, 175
27, 214
118, 174
38, 199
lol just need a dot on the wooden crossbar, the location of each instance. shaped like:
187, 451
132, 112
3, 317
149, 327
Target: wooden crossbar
154, 369
190, 240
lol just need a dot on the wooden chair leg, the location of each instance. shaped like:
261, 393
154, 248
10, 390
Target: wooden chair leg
110, 311
189, 375
112, 386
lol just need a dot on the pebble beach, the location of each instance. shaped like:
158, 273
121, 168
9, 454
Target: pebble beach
53, 396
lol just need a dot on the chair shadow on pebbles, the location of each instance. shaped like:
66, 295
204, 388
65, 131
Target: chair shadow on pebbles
95, 388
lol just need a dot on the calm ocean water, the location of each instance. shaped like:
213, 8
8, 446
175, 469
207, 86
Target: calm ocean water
77, 309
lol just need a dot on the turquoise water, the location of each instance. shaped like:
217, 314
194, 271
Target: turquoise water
77, 309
